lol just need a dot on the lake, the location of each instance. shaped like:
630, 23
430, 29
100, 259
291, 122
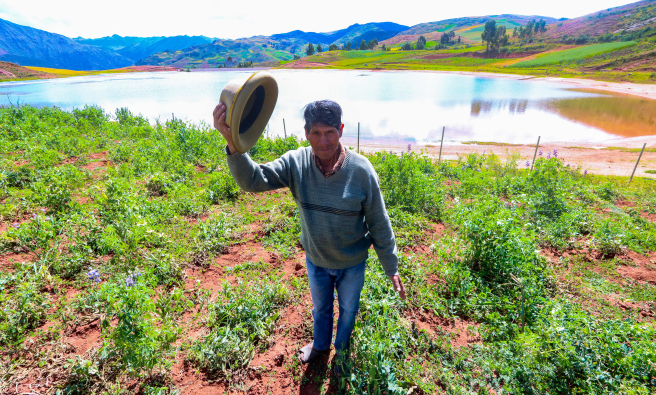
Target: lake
392, 107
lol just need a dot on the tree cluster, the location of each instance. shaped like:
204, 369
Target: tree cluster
371, 44
421, 42
448, 38
531, 29
248, 63
494, 36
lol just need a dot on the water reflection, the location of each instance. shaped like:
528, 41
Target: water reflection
486, 106
622, 115
390, 107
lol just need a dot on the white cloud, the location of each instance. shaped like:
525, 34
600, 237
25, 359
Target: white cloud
241, 18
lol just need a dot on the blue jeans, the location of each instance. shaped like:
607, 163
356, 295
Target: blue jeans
349, 283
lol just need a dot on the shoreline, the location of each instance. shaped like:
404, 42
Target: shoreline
617, 157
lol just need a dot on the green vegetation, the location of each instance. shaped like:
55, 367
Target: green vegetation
569, 55
132, 228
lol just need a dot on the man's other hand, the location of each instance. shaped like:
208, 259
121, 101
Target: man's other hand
398, 285
219, 116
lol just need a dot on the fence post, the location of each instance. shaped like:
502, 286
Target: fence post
358, 137
638, 161
535, 154
284, 127
439, 158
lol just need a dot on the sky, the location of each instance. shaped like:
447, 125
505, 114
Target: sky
246, 18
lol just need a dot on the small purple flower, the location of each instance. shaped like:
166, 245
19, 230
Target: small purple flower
43, 210
540, 153
528, 164
131, 280
383, 157
33, 216
409, 148
15, 225
548, 155
585, 173
555, 153
94, 275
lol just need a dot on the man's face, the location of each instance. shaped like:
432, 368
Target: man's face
324, 140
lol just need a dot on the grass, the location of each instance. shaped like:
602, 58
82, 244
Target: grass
569, 55
137, 229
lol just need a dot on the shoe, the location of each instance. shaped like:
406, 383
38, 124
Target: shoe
309, 353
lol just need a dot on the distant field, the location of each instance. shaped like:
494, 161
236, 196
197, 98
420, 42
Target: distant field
73, 73
574, 54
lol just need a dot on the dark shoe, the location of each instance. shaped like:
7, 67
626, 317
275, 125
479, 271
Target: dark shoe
309, 353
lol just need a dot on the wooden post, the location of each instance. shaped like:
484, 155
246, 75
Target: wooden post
638, 161
284, 127
439, 158
173, 115
535, 154
358, 137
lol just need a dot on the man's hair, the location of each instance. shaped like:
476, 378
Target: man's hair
325, 112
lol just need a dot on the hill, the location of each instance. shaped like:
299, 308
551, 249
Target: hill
136, 48
33, 47
628, 18
260, 49
12, 71
469, 28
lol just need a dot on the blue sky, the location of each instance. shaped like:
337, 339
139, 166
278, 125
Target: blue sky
245, 18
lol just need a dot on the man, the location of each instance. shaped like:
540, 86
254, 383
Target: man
342, 214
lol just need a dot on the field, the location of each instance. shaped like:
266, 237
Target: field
569, 55
63, 73
130, 262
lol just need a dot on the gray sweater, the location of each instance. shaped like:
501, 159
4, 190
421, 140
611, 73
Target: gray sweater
341, 215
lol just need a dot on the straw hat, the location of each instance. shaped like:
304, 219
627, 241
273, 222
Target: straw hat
249, 105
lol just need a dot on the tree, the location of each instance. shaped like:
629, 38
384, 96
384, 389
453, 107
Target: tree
319, 48
310, 50
296, 57
363, 45
348, 45
459, 39
384, 49
421, 42
489, 34
502, 37
370, 44
447, 38
407, 47
375, 41
332, 47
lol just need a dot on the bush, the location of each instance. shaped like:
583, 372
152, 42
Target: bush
222, 186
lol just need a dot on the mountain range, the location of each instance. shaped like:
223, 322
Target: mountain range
33, 47
27, 46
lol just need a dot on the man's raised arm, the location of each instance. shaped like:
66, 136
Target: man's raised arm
250, 176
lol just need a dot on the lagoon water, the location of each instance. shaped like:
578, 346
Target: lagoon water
392, 107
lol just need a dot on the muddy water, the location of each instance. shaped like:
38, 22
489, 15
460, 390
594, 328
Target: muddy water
401, 107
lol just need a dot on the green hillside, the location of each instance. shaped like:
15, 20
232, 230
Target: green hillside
569, 55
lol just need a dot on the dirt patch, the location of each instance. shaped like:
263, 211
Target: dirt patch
7, 260
458, 333
303, 64
84, 337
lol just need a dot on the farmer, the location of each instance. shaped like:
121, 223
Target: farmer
342, 214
